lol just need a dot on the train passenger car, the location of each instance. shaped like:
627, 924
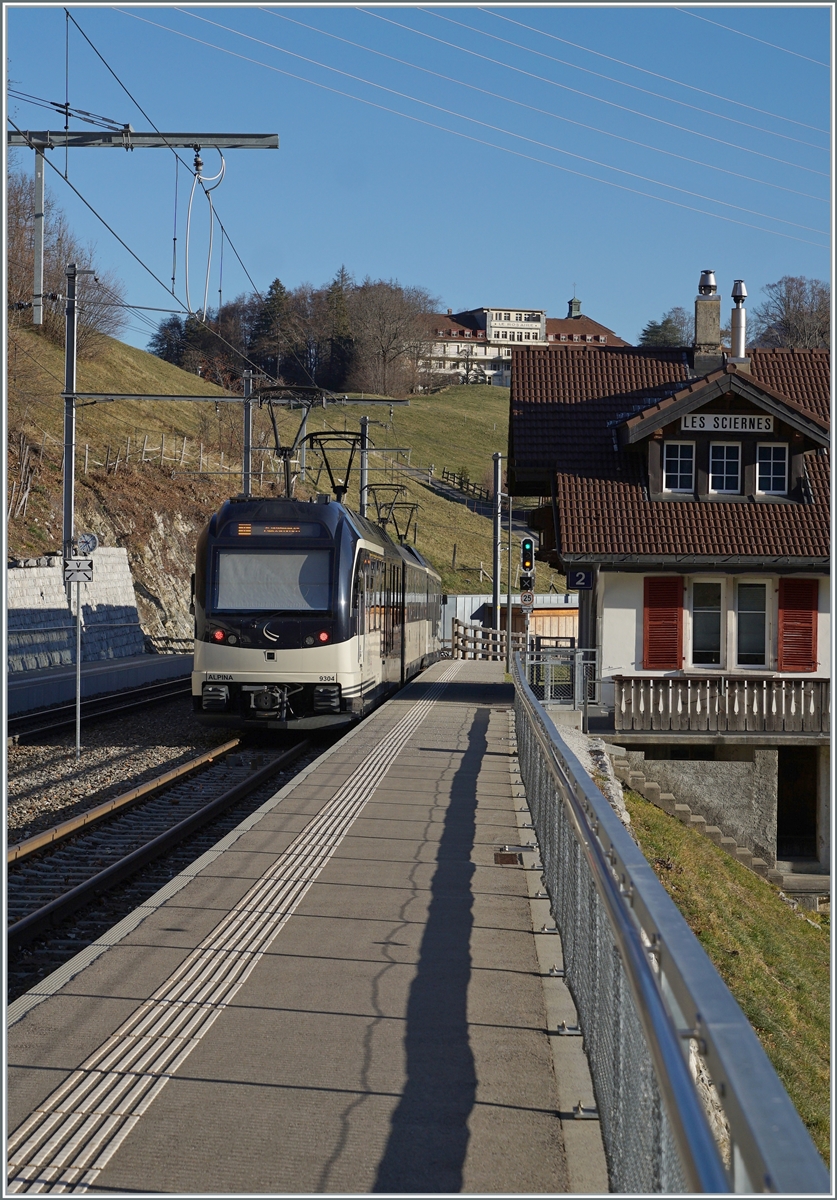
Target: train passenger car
306, 615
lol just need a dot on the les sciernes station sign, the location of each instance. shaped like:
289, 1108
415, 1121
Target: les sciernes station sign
725, 423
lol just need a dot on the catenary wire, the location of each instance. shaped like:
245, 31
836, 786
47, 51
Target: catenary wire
589, 96
506, 132
145, 267
729, 29
656, 74
224, 230
467, 136
546, 113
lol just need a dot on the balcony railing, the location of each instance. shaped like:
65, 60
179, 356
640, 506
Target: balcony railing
721, 704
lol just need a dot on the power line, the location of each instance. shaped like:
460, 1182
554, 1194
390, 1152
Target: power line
729, 29
467, 136
224, 231
576, 91
546, 112
510, 133
145, 267
656, 74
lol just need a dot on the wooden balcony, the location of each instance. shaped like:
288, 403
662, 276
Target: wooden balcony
722, 704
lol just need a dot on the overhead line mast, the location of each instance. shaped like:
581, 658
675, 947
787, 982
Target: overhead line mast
125, 138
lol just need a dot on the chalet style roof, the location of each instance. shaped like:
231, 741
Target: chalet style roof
570, 408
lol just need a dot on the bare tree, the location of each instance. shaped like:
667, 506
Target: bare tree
100, 300
389, 323
797, 312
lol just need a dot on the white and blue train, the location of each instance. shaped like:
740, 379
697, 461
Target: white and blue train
306, 615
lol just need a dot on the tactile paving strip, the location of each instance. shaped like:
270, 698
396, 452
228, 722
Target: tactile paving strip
69, 1139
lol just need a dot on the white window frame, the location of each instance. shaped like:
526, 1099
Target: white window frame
773, 446
679, 491
729, 626
691, 665
770, 621
736, 491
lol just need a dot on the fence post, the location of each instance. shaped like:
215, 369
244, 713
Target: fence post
128, 450
86, 454
183, 453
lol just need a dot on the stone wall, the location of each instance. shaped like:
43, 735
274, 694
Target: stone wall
740, 797
41, 623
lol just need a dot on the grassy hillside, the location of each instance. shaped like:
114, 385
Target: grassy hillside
459, 429
774, 960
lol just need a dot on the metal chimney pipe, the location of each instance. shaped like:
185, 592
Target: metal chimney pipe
738, 322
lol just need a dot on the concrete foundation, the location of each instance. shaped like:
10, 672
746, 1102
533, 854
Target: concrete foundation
740, 797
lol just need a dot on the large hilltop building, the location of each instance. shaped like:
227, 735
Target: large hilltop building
476, 346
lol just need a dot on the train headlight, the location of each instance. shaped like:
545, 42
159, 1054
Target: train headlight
218, 635
322, 636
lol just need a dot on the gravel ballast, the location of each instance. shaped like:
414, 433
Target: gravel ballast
46, 785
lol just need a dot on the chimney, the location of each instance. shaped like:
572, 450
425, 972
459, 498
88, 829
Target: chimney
450, 312
738, 328
708, 354
575, 308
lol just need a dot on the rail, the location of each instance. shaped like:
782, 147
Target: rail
724, 703
651, 1005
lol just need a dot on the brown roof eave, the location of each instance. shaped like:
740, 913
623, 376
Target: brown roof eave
723, 384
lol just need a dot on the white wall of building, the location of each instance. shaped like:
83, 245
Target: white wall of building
620, 617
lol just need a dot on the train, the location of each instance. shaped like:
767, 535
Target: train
307, 615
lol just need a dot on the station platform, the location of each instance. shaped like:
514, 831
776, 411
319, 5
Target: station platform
345, 995
29, 690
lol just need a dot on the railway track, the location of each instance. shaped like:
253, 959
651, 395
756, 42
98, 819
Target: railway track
63, 716
73, 886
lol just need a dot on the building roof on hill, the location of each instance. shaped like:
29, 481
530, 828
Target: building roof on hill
583, 327
569, 406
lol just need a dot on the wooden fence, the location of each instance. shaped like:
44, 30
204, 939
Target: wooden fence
465, 485
724, 703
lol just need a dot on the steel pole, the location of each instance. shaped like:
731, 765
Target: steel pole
508, 596
71, 329
246, 466
78, 671
498, 527
38, 289
364, 464
303, 434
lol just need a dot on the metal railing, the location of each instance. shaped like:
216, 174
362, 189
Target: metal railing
728, 703
650, 1001
563, 674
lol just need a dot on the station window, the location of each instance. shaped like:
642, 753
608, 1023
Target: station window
706, 624
725, 467
679, 467
772, 470
752, 624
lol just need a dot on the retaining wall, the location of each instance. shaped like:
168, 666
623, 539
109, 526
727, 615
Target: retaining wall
41, 622
739, 797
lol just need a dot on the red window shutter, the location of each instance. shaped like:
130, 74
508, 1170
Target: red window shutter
798, 601
663, 624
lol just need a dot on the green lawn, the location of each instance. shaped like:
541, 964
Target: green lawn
775, 960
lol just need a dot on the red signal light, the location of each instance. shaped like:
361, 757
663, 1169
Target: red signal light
323, 636
218, 635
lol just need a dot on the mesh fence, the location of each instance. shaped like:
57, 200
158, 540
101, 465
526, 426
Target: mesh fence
640, 1151
563, 675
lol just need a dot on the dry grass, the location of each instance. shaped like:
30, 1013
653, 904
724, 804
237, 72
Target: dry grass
459, 428
775, 961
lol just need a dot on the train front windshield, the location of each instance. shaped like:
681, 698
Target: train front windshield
273, 581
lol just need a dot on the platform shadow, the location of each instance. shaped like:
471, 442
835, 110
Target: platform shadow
428, 1136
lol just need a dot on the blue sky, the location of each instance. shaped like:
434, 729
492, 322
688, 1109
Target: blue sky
495, 155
